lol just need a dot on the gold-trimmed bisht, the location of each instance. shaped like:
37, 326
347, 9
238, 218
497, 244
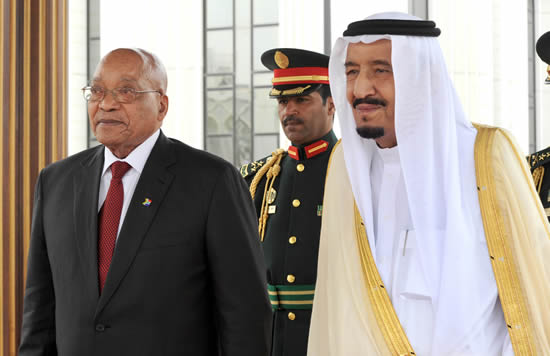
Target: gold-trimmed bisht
385, 314
505, 267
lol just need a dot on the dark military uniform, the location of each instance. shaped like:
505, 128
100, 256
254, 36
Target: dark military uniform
291, 239
539, 162
288, 188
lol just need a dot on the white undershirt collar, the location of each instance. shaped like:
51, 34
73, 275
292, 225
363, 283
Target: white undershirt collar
389, 155
136, 158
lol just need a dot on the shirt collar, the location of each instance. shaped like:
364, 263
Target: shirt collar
136, 158
389, 155
312, 149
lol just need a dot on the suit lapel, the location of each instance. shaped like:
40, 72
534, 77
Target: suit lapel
153, 185
86, 188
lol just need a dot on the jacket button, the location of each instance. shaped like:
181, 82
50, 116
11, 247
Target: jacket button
292, 240
100, 328
295, 203
291, 316
290, 278
300, 167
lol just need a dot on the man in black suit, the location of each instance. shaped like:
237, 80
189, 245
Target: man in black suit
148, 247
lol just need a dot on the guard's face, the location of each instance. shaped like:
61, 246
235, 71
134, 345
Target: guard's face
123, 126
304, 118
370, 90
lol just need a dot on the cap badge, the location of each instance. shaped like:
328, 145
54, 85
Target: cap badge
281, 59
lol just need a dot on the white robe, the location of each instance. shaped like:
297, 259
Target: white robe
398, 263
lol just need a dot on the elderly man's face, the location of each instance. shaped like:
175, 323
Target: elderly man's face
370, 90
123, 127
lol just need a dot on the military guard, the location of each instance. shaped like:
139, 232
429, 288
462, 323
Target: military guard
539, 162
287, 189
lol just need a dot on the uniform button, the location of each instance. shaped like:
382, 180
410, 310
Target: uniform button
100, 328
290, 278
295, 203
292, 240
300, 167
291, 316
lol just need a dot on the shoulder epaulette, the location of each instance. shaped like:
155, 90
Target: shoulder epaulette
539, 158
250, 169
253, 167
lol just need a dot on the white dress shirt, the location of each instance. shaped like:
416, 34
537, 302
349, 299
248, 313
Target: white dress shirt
136, 159
397, 259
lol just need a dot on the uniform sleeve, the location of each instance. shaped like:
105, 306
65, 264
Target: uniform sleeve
38, 329
237, 269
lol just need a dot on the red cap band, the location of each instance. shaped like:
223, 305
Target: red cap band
300, 75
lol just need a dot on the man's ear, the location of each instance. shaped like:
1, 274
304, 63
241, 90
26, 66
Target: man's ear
331, 107
163, 107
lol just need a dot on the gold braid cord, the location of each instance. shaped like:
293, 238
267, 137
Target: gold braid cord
538, 174
271, 168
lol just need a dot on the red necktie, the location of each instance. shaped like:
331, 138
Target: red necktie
109, 218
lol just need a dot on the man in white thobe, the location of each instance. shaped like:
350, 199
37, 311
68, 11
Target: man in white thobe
433, 240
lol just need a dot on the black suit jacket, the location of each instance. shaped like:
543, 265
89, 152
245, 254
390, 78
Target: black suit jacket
187, 275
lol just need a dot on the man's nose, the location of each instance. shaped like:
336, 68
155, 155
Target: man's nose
364, 87
291, 108
108, 102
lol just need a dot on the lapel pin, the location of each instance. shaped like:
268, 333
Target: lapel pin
147, 202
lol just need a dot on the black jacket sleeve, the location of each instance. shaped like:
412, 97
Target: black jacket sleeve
237, 269
38, 330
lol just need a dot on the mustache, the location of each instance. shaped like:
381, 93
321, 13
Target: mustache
100, 116
289, 118
369, 100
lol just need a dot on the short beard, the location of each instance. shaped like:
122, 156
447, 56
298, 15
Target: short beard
370, 132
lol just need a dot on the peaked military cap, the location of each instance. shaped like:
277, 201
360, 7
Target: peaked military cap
543, 50
295, 71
